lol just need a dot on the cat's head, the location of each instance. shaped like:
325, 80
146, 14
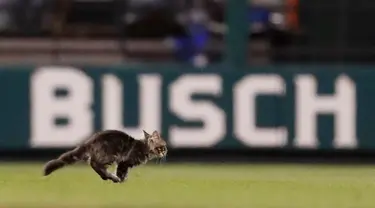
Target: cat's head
156, 144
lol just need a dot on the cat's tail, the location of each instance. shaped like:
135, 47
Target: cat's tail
67, 158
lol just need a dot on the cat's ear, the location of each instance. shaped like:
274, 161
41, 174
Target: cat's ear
155, 133
147, 135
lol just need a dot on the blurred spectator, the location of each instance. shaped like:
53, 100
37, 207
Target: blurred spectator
190, 47
27, 15
5, 15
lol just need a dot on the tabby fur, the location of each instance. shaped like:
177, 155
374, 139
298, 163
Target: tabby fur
109, 147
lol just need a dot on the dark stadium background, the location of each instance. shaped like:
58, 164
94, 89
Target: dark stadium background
230, 47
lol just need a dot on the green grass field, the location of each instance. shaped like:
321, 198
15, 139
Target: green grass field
192, 186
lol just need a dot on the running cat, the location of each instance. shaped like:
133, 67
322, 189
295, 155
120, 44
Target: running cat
109, 147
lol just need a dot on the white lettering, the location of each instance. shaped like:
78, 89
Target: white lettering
182, 105
149, 100
46, 107
244, 121
342, 105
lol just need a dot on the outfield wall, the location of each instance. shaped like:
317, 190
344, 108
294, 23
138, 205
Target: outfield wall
286, 109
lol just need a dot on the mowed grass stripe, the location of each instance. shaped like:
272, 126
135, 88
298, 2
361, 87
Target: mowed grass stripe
192, 185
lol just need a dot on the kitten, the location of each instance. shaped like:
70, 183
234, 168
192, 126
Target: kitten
109, 147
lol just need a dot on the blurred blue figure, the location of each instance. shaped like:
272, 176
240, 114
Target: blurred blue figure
190, 48
259, 18
192, 45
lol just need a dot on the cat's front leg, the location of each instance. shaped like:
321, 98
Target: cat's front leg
122, 171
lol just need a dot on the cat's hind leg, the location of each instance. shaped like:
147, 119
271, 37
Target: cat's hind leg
101, 170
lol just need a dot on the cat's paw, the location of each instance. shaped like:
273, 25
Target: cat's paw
115, 179
123, 179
